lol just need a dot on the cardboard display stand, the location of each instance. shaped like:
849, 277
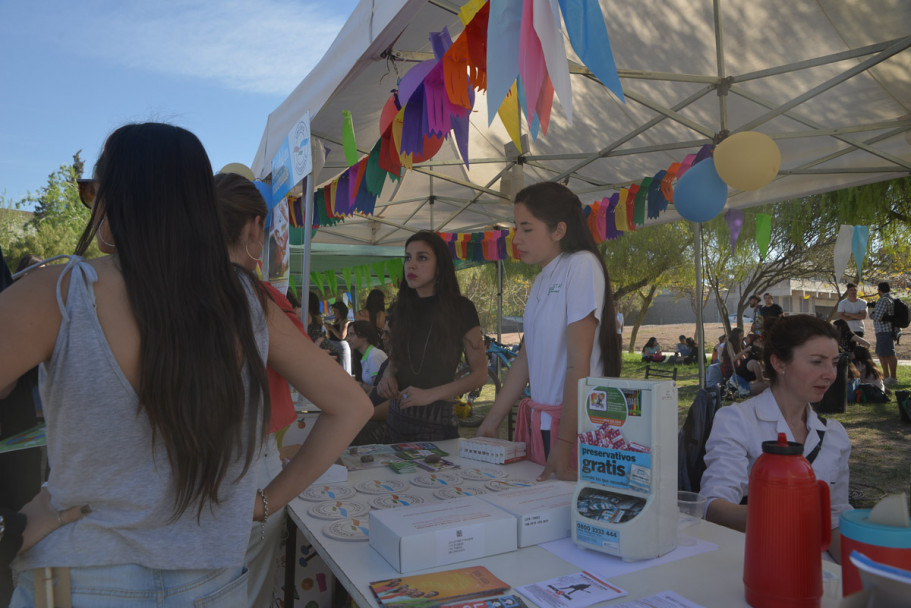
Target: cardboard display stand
625, 502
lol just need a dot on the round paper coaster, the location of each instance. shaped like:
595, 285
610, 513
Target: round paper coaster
333, 492
457, 492
498, 485
391, 501
476, 474
336, 509
348, 530
381, 486
436, 480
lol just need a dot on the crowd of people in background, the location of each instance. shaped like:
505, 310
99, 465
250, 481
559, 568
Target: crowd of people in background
196, 486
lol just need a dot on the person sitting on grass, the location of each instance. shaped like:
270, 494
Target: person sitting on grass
685, 351
651, 352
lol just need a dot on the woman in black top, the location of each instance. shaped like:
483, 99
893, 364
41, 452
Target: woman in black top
441, 325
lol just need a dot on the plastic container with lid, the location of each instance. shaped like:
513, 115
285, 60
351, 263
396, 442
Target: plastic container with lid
884, 544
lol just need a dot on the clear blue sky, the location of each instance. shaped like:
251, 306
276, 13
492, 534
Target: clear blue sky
71, 72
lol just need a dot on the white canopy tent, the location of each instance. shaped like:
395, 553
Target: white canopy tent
829, 81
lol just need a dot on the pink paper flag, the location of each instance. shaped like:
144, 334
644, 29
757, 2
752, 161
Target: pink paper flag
550, 34
532, 67
685, 165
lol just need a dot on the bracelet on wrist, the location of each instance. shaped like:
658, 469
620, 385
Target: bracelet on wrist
262, 494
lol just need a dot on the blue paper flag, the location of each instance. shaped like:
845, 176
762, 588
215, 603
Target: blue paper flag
504, 25
588, 36
859, 246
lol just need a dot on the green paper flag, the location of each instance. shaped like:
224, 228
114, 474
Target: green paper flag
348, 142
363, 275
292, 286
346, 273
641, 202
763, 233
379, 269
395, 268
316, 278
374, 176
332, 282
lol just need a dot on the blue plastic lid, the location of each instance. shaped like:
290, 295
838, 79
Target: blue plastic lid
856, 525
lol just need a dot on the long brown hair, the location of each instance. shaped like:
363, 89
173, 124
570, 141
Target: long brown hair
197, 343
445, 339
553, 203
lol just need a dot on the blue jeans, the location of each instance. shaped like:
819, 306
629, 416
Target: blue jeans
140, 587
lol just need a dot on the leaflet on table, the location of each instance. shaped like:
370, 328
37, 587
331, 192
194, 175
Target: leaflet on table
417, 451
501, 601
573, 590
438, 588
361, 457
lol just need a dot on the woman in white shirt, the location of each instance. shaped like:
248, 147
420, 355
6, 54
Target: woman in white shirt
800, 354
570, 328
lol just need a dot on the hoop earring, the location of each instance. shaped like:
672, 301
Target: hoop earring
255, 259
100, 236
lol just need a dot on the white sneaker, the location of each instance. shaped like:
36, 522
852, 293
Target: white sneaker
890, 381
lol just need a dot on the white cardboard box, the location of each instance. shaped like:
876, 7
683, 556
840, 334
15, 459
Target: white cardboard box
542, 512
441, 533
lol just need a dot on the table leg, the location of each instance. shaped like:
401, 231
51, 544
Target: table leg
290, 562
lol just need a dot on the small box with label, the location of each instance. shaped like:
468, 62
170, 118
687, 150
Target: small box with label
625, 501
542, 512
441, 533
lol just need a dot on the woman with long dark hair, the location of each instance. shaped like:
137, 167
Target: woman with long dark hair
435, 325
155, 390
570, 327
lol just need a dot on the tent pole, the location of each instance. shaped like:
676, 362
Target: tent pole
700, 330
309, 181
499, 303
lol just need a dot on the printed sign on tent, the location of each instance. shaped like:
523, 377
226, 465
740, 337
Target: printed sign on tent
293, 161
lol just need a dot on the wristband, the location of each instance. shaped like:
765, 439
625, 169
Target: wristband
262, 494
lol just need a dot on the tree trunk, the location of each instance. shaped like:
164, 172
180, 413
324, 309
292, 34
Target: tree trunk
646, 302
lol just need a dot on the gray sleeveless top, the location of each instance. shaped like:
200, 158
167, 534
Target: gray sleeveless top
100, 452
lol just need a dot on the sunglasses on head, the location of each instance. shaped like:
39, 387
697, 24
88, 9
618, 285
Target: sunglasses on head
87, 189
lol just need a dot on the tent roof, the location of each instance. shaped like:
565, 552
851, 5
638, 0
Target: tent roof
830, 81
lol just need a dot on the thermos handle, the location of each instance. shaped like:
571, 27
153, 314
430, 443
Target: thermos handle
826, 511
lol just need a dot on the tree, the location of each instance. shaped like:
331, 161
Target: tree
644, 261
58, 220
803, 235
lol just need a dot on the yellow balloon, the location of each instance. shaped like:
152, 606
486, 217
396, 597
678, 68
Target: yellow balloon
240, 169
747, 160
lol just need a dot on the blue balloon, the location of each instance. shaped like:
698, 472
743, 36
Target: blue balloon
700, 194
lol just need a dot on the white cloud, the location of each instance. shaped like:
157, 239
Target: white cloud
261, 47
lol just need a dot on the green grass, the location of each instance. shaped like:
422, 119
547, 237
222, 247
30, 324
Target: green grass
881, 443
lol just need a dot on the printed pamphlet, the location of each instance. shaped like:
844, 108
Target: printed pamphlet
450, 587
573, 590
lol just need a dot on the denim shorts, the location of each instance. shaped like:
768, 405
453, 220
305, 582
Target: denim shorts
140, 587
885, 345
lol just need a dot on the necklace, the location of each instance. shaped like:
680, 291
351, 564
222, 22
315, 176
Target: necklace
417, 371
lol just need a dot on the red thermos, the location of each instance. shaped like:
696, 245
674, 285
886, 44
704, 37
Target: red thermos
788, 527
